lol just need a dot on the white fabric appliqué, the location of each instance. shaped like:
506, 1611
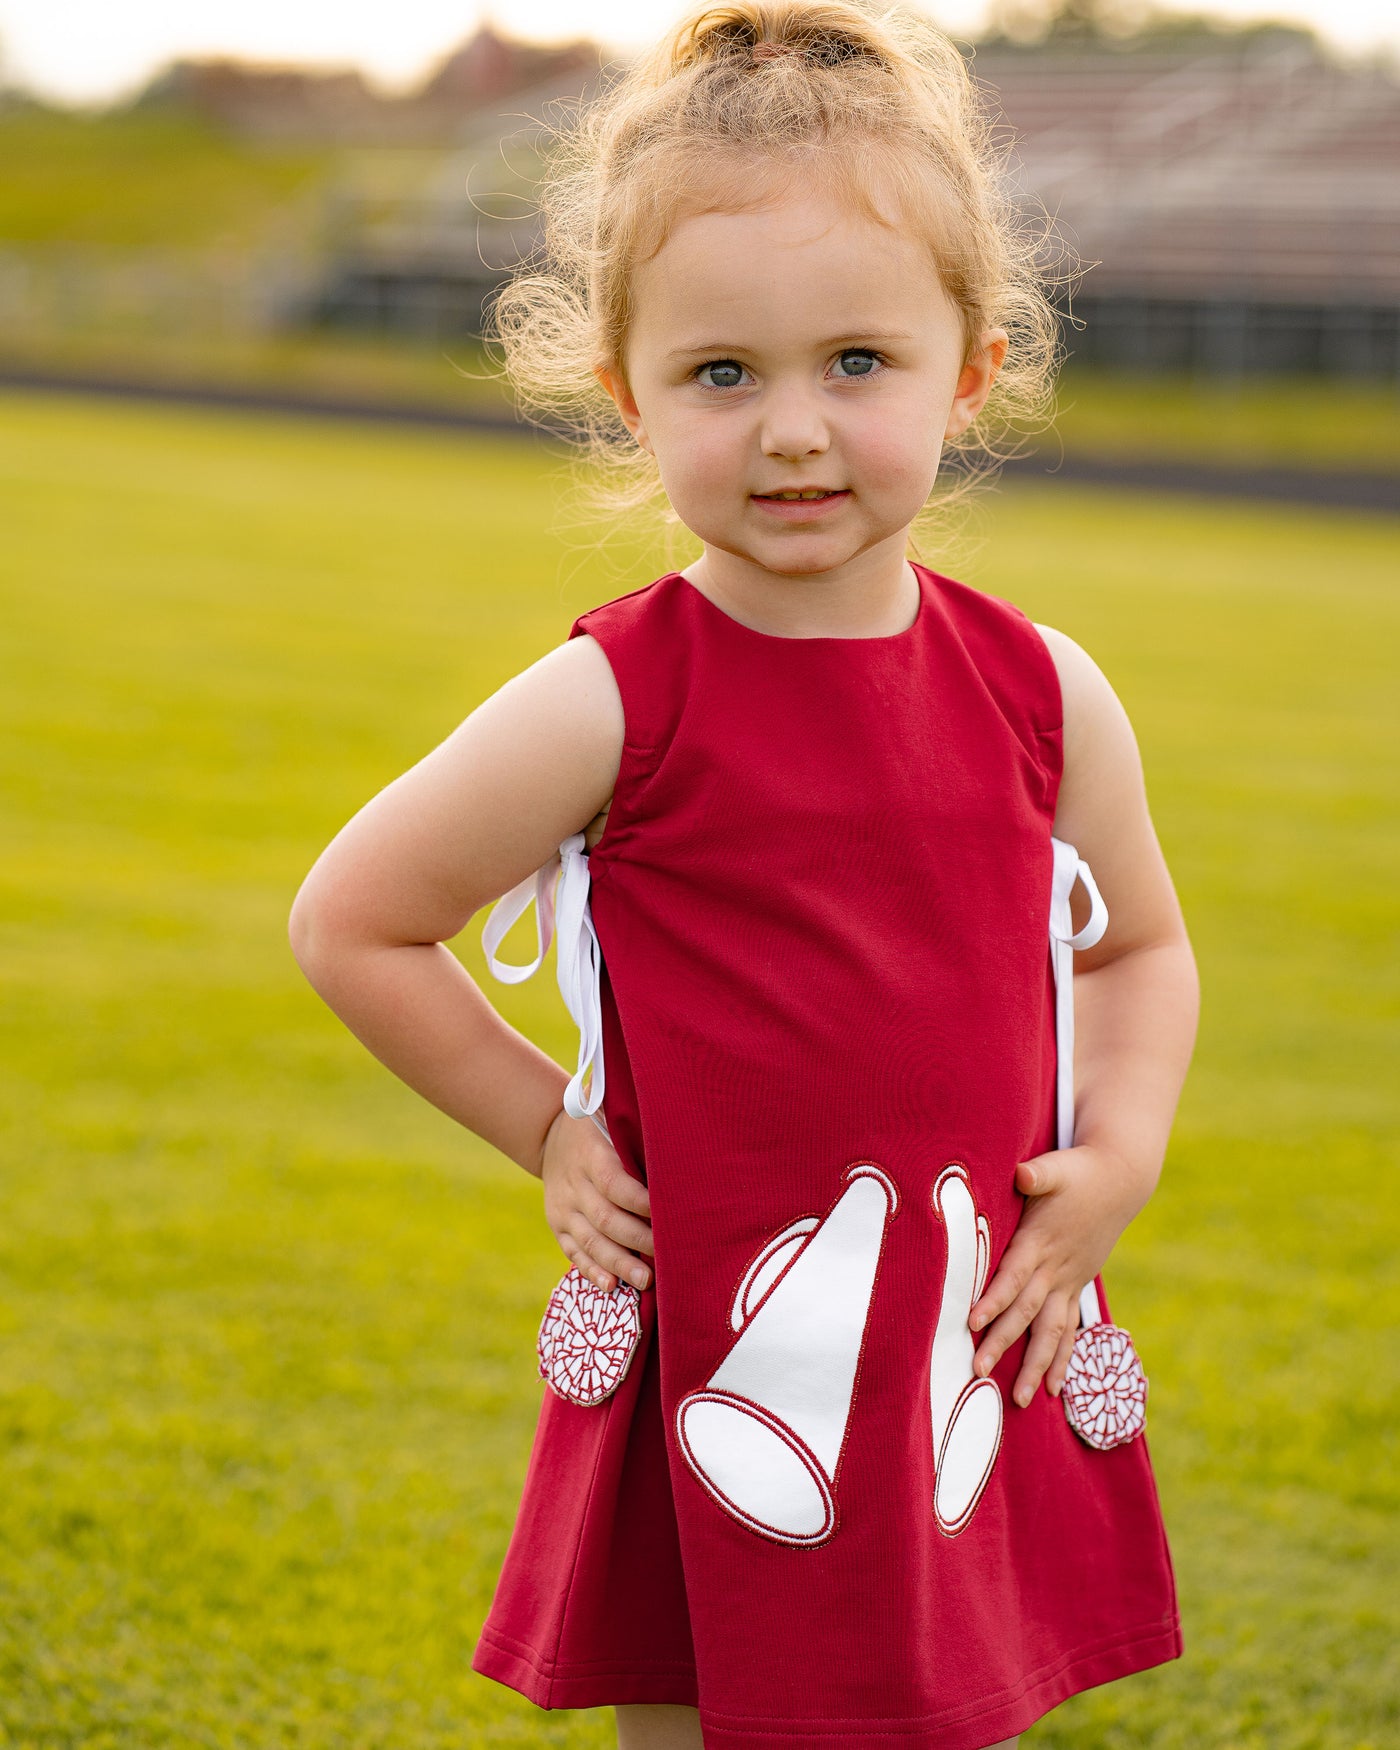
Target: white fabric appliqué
966, 1411
588, 1337
765, 1434
1105, 1390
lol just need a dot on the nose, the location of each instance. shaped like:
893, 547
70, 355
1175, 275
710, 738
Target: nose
794, 425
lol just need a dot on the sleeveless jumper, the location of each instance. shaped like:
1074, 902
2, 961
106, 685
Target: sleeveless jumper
828, 1025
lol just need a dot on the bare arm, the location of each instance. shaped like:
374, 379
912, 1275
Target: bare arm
531, 765
1136, 1004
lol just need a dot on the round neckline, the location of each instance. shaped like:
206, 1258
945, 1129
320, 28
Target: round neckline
821, 637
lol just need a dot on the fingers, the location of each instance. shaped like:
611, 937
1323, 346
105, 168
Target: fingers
595, 1239
1011, 1280
1028, 1292
1055, 1378
1047, 1339
1052, 1318
628, 1193
602, 1263
1035, 1177
602, 1231
1020, 1309
602, 1216
594, 1206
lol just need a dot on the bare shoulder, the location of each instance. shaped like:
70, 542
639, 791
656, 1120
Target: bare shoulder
533, 763
568, 705
565, 704
1084, 687
1097, 733
1102, 807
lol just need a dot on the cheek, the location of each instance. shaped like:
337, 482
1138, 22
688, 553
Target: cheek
702, 458
900, 451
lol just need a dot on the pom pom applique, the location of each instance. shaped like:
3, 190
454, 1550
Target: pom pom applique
588, 1337
1105, 1391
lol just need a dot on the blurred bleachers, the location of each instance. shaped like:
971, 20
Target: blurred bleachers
1240, 207
1231, 202
1241, 210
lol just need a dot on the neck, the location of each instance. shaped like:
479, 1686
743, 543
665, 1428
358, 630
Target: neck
874, 595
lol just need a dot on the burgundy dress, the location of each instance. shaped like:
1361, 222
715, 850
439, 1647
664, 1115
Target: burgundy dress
821, 899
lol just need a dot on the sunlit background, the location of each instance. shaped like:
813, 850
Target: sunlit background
209, 191
270, 527
93, 51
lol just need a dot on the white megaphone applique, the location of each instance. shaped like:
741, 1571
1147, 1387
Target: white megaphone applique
966, 1410
764, 1436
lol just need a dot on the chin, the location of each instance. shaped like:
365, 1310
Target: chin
797, 557
794, 570
810, 565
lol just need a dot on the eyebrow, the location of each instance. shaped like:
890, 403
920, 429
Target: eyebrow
725, 349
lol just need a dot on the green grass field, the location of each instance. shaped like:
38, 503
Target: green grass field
267, 1385
142, 178
1332, 425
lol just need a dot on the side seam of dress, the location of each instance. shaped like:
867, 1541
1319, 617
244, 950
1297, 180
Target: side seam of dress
590, 1606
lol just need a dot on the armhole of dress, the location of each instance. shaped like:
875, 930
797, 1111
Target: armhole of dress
1015, 665
637, 761
1049, 737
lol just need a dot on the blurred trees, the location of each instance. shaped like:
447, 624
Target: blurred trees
1126, 24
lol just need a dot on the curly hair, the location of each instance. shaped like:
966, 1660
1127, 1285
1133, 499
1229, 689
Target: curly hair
870, 97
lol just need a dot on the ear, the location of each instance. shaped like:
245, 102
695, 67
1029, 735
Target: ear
976, 379
616, 385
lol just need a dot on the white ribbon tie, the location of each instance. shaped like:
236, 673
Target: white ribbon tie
559, 892
1064, 939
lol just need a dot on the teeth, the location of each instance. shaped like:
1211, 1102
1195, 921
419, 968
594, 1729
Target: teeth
792, 497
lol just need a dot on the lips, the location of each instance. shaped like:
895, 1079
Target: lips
801, 510
822, 491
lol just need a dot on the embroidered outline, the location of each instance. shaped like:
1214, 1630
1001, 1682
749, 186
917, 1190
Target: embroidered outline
959, 1401
588, 1338
849, 1240
831, 1517
780, 1251
1105, 1390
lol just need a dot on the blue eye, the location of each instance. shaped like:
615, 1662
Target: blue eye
727, 371
866, 361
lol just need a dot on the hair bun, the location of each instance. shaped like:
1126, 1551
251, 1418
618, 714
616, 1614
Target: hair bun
823, 35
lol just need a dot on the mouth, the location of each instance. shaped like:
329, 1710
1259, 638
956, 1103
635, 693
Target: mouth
801, 503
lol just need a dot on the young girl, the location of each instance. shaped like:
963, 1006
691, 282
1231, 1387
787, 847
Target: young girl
803, 1473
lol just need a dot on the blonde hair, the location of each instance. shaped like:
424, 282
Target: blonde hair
872, 97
